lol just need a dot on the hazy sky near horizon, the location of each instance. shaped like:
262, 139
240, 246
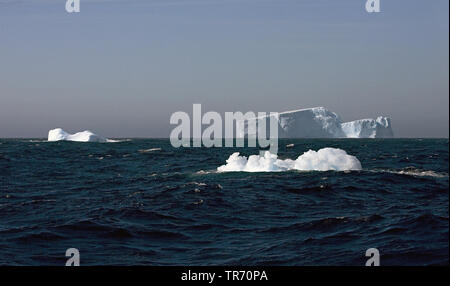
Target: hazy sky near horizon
121, 68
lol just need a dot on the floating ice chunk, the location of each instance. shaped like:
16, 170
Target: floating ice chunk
323, 160
327, 159
86, 136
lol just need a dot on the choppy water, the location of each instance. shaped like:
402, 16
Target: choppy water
128, 203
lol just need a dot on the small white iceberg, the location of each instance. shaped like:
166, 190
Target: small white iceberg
85, 136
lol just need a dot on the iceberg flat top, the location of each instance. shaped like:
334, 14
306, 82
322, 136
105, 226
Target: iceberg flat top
303, 109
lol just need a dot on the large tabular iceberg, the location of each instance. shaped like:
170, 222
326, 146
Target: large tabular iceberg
86, 136
323, 160
319, 122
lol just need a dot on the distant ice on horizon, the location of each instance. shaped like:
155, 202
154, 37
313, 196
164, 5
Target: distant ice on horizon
59, 134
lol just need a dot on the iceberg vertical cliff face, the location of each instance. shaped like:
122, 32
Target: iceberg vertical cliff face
86, 136
319, 122
309, 123
368, 128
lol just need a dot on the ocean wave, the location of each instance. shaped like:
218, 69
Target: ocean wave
35, 140
325, 159
117, 140
412, 171
149, 150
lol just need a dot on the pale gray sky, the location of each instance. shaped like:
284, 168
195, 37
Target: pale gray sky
121, 68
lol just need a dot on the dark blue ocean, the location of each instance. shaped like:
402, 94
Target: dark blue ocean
129, 204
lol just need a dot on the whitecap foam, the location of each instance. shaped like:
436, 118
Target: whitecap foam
149, 150
411, 171
325, 159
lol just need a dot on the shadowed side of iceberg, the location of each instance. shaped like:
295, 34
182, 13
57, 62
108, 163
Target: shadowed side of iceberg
317, 122
59, 134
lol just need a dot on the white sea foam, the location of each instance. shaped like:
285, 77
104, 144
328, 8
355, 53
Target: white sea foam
149, 150
323, 160
411, 171
423, 174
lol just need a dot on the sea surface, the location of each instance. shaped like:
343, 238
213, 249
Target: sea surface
143, 202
